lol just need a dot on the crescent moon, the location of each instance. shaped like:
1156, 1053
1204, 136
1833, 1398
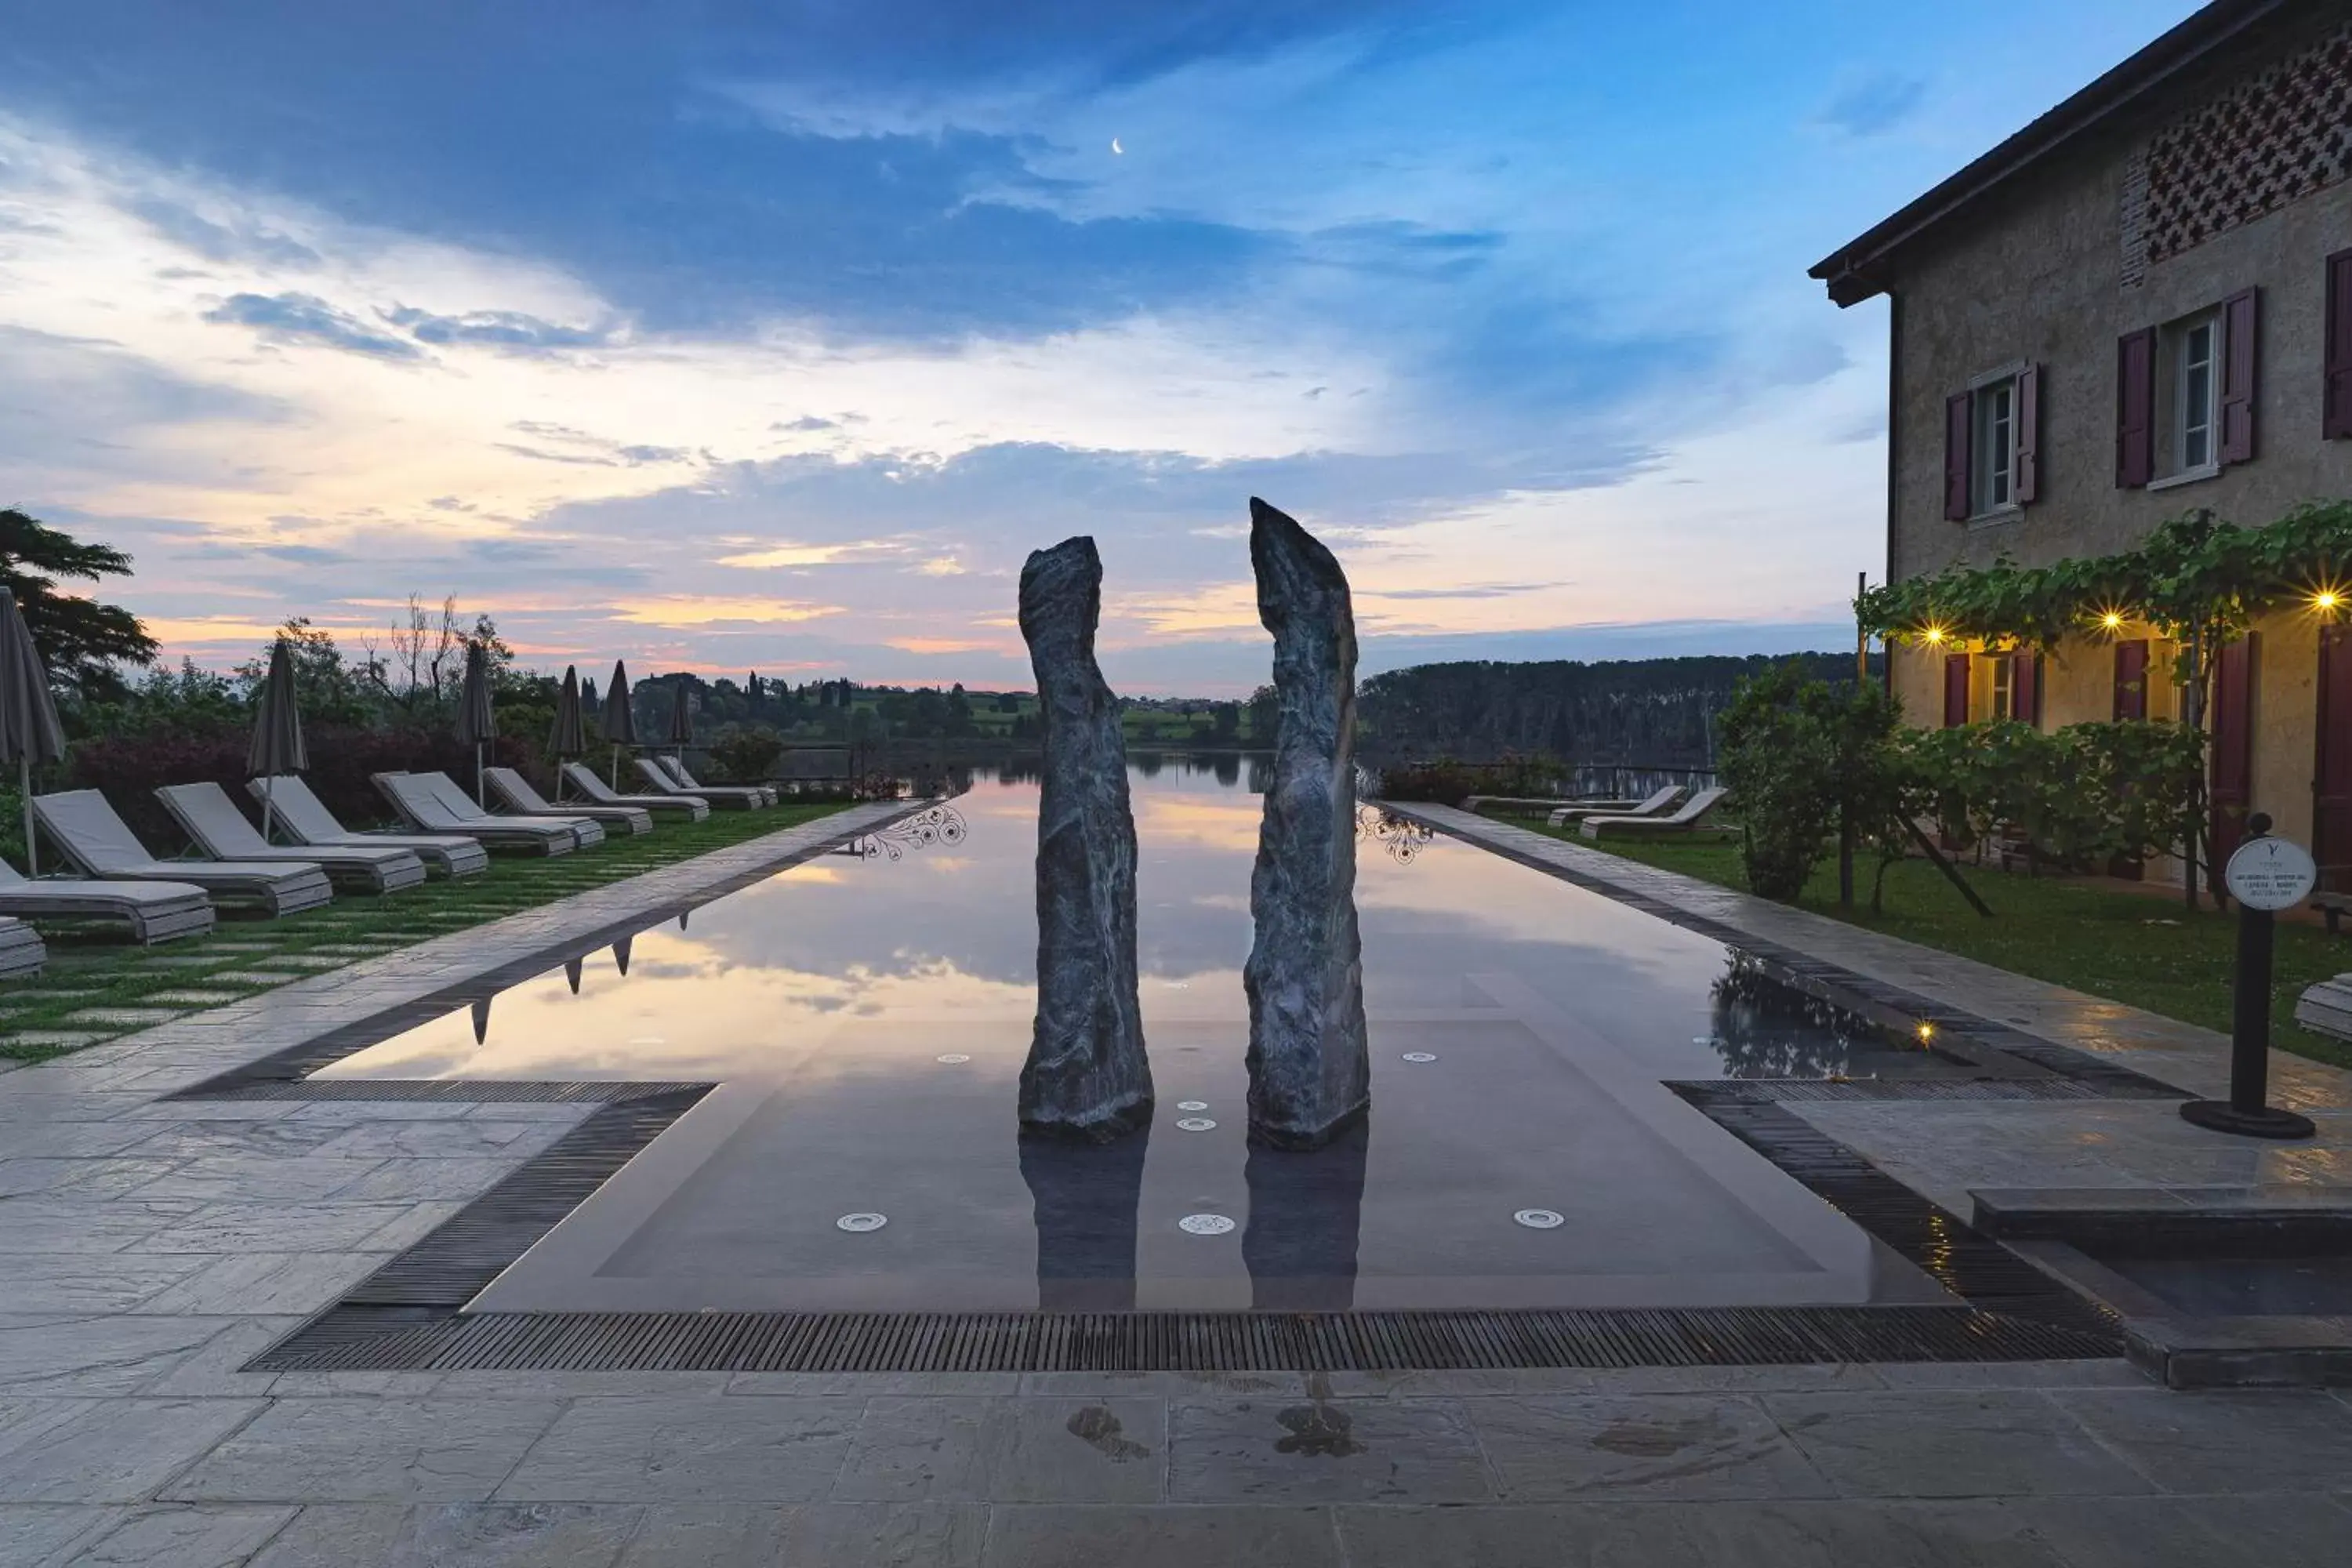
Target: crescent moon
1116, 149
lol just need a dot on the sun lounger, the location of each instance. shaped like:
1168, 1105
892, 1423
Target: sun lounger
1655, 807
676, 768
212, 822
308, 821
21, 951
728, 796
515, 790
437, 808
99, 844
580, 776
156, 911
1689, 819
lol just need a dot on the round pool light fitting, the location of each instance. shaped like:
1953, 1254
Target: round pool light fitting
1195, 1124
953, 1059
1192, 1105
859, 1224
1540, 1219
1421, 1056
1204, 1224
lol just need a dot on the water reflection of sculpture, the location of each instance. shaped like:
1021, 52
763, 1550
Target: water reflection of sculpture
939, 825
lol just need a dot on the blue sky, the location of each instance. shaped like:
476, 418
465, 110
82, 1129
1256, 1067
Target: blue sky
774, 336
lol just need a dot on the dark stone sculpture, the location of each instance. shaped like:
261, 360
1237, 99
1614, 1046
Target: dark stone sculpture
1310, 1075
1087, 1075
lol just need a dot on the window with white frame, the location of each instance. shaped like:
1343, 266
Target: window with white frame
1993, 407
2004, 688
2191, 351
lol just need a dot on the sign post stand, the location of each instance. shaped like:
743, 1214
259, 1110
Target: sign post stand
2264, 876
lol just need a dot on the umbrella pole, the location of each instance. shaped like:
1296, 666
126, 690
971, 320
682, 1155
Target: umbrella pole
478, 797
25, 789
269, 784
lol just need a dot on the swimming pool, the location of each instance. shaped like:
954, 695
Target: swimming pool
864, 1016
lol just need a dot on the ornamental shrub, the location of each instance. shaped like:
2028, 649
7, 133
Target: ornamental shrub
1779, 762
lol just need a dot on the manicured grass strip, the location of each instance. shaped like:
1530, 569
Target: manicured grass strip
93, 967
2149, 950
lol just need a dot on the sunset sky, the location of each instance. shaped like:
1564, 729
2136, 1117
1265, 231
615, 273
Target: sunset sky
730, 336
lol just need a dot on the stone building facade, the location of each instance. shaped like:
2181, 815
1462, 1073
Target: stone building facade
2139, 305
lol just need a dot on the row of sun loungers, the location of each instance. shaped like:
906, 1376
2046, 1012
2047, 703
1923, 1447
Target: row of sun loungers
163, 899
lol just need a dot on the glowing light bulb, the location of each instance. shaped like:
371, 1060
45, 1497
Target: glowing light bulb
2326, 601
1935, 633
2112, 620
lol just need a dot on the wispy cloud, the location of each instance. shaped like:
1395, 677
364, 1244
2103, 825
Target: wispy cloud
292, 318
1871, 103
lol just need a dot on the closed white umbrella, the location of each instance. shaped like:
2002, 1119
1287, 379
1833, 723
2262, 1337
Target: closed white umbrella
29, 731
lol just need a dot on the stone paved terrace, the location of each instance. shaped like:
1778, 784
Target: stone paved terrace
149, 1248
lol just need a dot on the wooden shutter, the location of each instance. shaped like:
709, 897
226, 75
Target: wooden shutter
2131, 679
2029, 435
2136, 409
2025, 688
2232, 728
2240, 346
1955, 690
1956, 456
2336, 419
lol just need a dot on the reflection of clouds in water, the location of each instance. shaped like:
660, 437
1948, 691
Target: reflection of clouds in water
797, 957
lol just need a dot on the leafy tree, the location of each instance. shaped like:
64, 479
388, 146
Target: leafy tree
81, 641
330, 691
1780, 761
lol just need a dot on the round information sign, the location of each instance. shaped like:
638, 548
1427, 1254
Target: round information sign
2270, 874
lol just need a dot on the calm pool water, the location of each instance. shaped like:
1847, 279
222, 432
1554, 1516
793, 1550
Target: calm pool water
866, 1017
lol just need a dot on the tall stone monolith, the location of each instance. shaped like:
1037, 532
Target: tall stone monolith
1087, 1075
1309, 1073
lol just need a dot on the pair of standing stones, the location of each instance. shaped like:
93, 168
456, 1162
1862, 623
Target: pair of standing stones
1309, 1071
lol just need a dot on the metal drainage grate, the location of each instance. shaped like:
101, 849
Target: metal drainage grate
379, 1339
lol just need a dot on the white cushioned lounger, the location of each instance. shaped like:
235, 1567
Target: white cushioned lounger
209, 817
676, 768
156, 911
1688, 819
582, 777
727, 796
515, 790
21, 951
421, 806
307, 820
1654, 807
100, 844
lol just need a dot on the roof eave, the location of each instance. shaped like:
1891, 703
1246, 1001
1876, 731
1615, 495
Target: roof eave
1853, 273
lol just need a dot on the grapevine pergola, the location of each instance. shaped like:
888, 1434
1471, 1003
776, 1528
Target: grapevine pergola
2195, 578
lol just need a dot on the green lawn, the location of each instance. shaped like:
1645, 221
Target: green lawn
96, 966
2144, 948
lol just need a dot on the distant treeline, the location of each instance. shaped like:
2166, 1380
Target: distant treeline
1647, 710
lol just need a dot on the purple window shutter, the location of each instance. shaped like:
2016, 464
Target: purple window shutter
2337, 416
1956, 456
2136, 409
2029, 434
2241, 342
